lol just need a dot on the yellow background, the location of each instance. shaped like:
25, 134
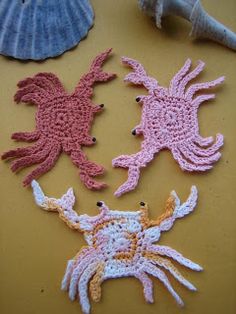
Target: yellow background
36, 245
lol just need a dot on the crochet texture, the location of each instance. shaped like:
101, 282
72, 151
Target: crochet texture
120, 244
169, 121
63, 122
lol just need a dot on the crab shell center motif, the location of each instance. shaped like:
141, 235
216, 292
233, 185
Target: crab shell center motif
64, 117
171, 119
120, 239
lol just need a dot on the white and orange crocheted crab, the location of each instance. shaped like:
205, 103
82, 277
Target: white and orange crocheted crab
120, 244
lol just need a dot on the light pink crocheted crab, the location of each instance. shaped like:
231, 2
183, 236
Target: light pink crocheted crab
169, 121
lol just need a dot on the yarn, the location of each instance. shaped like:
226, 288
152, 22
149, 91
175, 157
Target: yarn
63, 122
169, 121
120, 244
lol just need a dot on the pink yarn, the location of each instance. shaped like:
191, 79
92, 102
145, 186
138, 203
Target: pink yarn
169, 121
63, 122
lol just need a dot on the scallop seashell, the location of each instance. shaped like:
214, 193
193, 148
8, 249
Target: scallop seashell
39, 29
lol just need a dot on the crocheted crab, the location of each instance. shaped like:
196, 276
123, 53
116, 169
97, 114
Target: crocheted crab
169, 121
63, 122
120, 244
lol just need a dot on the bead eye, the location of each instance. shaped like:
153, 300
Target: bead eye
142, 204
99, 204
138, 99
134, 132
94, 139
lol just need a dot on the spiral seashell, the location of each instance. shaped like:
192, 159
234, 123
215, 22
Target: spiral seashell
203, 25
39, 29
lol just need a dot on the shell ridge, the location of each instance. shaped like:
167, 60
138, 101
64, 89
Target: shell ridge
5, 27
38, 30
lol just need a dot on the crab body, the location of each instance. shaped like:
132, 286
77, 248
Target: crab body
169, 121
172, 120
120, 244
54, 117
63, 123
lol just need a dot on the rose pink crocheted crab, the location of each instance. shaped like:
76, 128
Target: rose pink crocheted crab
120, 244
63, 122
169, 121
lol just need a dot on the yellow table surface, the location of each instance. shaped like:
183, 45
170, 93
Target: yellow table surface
36, 245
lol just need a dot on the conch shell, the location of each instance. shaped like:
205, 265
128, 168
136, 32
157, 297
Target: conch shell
203, 25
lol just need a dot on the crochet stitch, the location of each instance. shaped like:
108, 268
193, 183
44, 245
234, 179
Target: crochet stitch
120, 244
169, 121
63, 122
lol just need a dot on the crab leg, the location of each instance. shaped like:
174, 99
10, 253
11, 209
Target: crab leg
204, 141
200, 99
199, 86
34, 98
197, 160
47, 82
26, 136
140, 275
133, 163
39, 81
189, 77
30, 159
24, 151
156, 272
169, 252
88, 169
48, 163
32, 93
83, 286
165, 263
67, 277
174, 84
78, 271
206, 152
53, 79
147, 285
185, 165
95, 283
72, 264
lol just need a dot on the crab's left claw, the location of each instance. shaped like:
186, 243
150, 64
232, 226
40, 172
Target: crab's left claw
96, 67
66, 202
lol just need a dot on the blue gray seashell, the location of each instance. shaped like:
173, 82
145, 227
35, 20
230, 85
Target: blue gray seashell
38, 29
